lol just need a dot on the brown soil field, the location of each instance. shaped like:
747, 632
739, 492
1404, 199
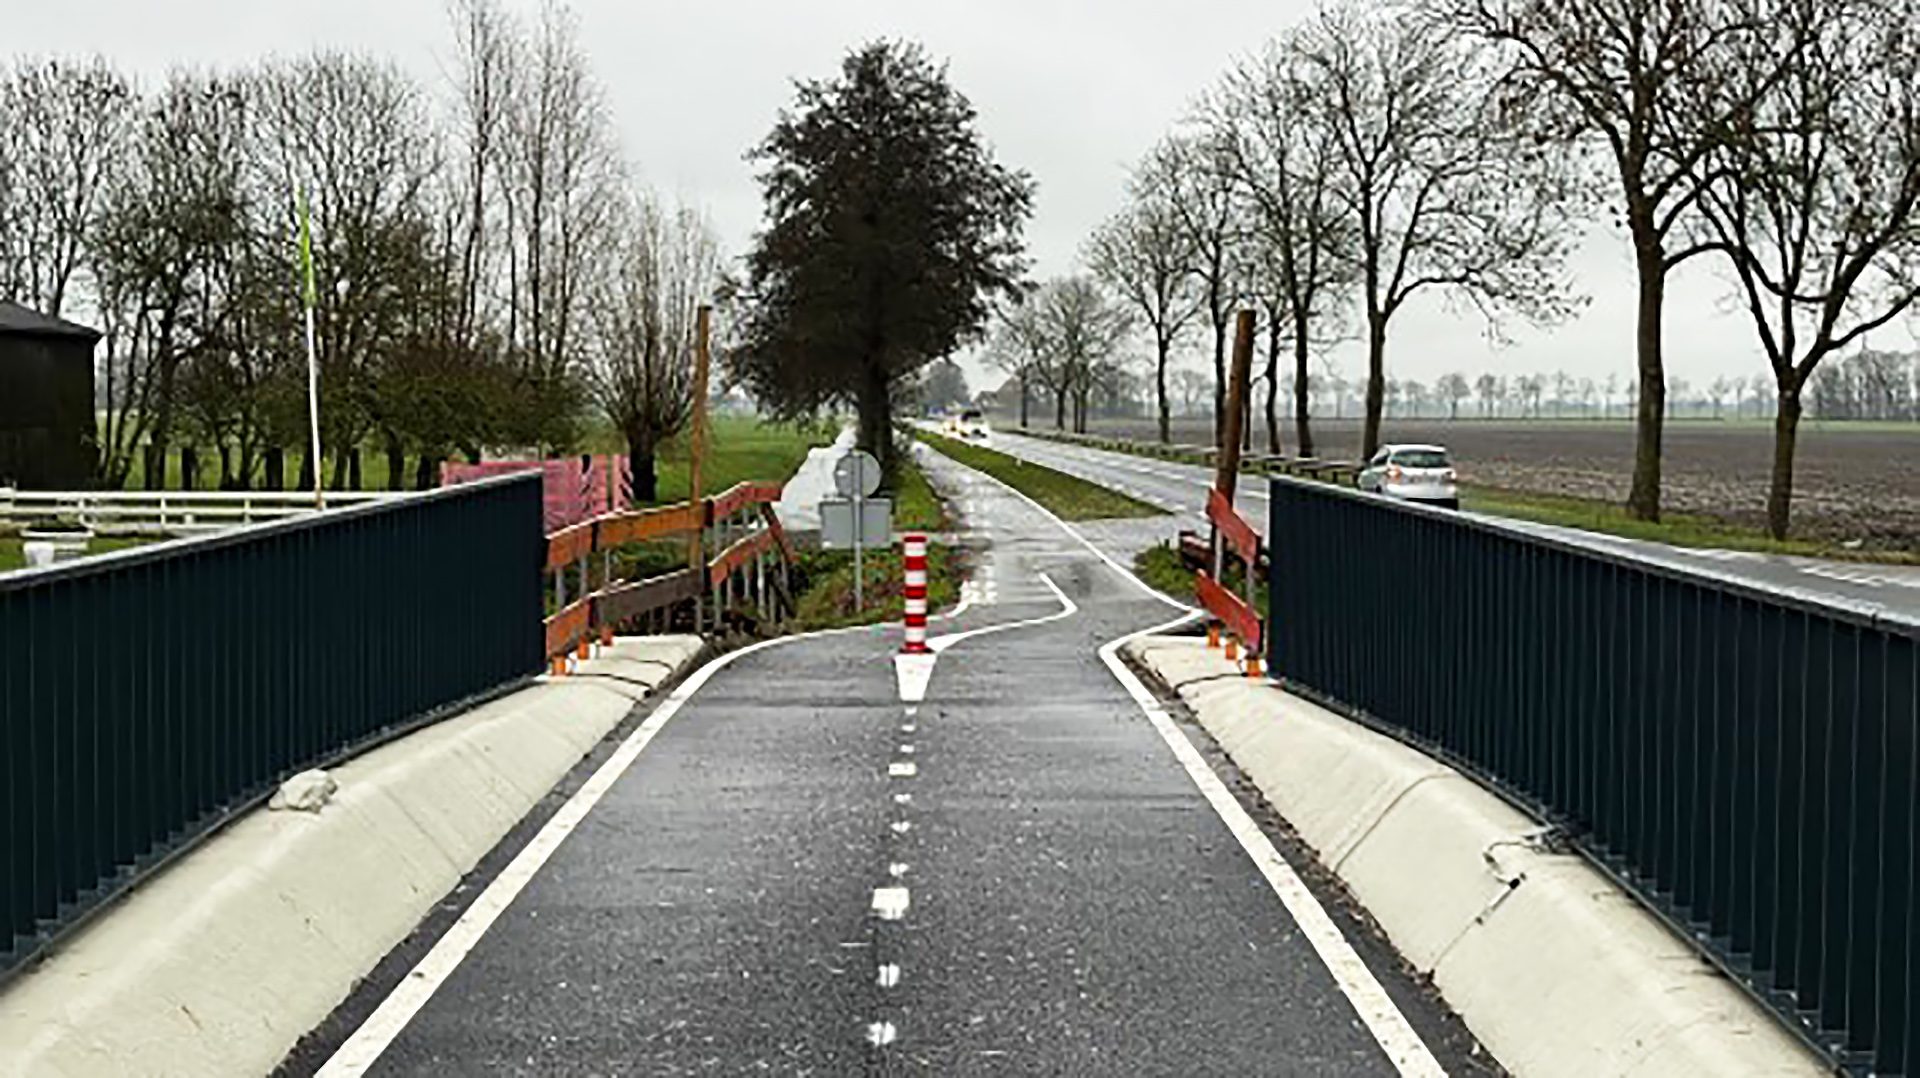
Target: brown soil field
1852, 481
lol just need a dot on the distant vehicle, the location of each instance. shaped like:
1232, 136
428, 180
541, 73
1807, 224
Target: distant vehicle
971, 424
1416, 473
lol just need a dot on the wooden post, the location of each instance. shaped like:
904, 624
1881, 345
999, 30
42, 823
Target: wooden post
696, 451
1227, 468
1227, 451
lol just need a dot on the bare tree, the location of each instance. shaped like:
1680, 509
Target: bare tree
561, 177
63, 127
486, 50
1441, 192
1453, 388
1197, 175
1284, 162
1816, 196
1625, 75
173, 216
1079, 329
645, 321
351, 133
1147, 257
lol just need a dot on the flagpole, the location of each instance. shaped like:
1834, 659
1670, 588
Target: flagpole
309, 298
313, 413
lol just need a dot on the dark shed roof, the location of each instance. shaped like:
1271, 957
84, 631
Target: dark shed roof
17, 319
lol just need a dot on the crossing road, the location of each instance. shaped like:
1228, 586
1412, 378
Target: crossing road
1009, 859
1183, 487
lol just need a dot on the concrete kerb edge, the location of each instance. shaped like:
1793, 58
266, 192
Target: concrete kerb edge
1555, 968
220, 963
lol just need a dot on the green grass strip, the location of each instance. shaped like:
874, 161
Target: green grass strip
1068, 497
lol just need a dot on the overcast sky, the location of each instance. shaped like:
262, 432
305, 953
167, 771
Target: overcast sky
1070, 90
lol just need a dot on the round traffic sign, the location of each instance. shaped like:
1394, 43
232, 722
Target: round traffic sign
857, 470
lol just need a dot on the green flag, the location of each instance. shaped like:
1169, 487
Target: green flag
308, 292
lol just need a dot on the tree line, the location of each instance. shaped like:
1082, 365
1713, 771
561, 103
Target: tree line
1457, 148
488, 270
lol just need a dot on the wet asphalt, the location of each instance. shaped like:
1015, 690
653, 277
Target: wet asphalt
1072, 904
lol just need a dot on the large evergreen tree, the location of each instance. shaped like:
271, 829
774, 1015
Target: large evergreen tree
890, 228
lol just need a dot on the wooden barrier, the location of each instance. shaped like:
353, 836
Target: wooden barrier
594, 613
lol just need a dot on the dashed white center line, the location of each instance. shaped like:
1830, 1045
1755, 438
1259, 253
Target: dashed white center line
897, 869
889, 975
901, 827
890, 903
880, 1034
902, 799
906, 728
906, 750
902, 770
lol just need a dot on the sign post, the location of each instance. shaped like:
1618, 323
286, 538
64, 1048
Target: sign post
857, 476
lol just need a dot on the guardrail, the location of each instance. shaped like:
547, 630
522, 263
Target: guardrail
1341, 472
168, 512
148, 696
734, 552
1744, 759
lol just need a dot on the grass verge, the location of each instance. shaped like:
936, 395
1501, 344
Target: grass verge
13, 554
1069, 497
1674, 529
1163, 569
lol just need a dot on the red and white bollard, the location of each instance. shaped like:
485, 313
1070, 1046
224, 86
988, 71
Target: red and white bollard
916, 595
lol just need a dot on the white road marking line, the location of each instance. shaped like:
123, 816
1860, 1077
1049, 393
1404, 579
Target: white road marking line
906, 728
364, 1048
912, 711
1389, 1027
901, 827
906, 750
890, 903
1067, 609
889, 975
897, 869
902, 799
913, 673
881, 1034
902, 770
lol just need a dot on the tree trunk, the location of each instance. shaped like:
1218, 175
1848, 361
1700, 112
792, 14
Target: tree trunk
1219, 376
1376, 383
426, 473
353, 469
1786, 429
1275, 342
1643, 501
1060, 409
1026, 397
1302, 391
396, 463
1160, 390
876, 417
307, 465
189, 468
640, 453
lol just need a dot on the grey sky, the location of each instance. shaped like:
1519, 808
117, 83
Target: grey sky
1070, 91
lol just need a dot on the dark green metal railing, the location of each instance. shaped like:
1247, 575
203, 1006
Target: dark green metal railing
148, 696
1744, 759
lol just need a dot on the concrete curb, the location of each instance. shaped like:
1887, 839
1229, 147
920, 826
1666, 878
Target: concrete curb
218, 965
1555, 968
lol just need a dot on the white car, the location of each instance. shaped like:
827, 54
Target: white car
972, 424
1417, 473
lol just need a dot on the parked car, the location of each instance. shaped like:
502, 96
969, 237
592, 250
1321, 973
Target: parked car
973, 424
1417, 473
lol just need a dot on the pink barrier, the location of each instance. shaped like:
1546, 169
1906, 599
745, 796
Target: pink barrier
575, 488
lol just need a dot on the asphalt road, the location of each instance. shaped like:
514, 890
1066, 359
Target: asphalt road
1183, 487
807, 872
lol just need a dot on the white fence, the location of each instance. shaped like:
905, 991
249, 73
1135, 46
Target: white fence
164, 512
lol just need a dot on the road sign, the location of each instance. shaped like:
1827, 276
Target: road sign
857, 474
837, 523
